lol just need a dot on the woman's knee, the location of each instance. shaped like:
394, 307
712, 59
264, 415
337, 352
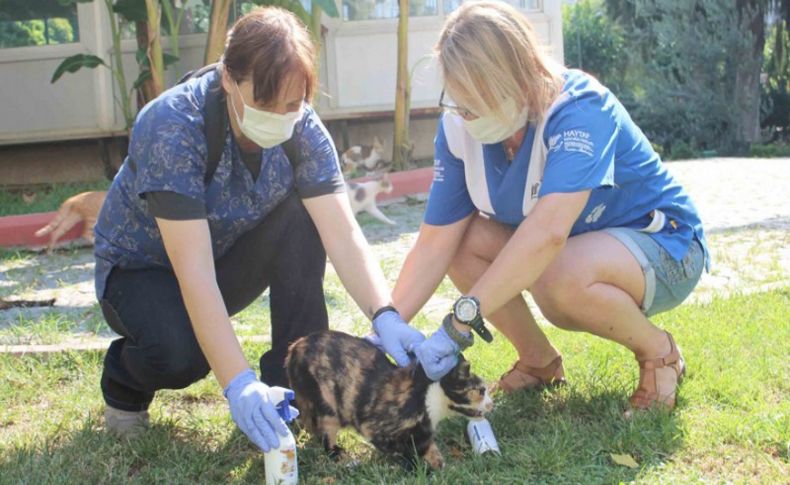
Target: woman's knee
172, 366
557, 293
480, 245
461, 270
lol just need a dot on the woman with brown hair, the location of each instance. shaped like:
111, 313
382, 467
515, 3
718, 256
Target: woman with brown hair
181, 245
544, 183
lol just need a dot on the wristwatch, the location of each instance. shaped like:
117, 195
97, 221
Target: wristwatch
467, 311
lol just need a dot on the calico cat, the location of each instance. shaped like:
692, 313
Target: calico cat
362, 196
364, 157
340, 381
81, 207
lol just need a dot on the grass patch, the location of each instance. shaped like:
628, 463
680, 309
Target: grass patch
43, 198
732, 423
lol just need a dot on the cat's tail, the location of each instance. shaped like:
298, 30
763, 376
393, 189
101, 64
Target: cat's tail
64, 220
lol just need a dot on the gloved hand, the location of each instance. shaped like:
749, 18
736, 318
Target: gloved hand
397, 337
438, 354
253, 412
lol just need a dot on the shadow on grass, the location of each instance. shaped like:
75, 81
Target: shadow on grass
567, 435
166, 453
545, 437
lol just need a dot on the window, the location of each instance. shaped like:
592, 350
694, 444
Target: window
450, 5
196, 15
37, 22
386, 9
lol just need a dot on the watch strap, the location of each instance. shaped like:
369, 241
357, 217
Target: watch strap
463, 341
388, 308
479, 326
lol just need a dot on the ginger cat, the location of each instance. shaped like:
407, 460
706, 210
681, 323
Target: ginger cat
81, 207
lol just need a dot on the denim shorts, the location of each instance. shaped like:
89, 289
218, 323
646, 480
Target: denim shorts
667, 281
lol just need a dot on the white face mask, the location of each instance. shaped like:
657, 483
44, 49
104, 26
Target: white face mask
264, 128
490, 129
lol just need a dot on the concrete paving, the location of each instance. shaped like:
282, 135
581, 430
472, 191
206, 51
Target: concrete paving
744, 204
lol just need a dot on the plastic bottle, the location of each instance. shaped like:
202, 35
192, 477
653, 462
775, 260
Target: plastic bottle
280, 463
481, 436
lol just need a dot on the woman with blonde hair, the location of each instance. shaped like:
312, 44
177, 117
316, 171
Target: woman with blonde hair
544, 183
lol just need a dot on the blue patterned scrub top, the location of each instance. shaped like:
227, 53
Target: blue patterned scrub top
168, 152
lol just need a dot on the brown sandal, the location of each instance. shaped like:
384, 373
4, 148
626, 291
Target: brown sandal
522, 376
646, 395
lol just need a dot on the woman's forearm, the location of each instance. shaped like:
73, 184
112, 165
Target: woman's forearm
188, 246
359, 271
212, 327
421, 274
534, 245
347, 248
426, 265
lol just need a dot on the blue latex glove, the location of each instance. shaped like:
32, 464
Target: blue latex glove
438, 354
397, 337
375, 340
253, 411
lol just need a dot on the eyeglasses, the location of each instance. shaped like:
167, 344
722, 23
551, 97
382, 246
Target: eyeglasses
457, 110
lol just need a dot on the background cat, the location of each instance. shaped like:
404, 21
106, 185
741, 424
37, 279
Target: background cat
340, 381
83, 207
364, 158
362, 196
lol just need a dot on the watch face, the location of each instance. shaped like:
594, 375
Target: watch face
465, 310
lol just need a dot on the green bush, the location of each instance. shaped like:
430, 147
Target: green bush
775, 102
770, 150
594, 43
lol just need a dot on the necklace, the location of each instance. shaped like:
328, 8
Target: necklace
510, 152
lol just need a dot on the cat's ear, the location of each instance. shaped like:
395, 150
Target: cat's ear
377, 142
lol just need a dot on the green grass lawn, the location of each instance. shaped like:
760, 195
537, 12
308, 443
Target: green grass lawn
732, 423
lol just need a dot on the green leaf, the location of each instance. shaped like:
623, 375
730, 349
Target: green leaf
327, 6
143, 77
75, 63
131, 10
169, 59
141, 56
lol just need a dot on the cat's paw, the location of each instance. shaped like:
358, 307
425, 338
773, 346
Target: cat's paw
434, 457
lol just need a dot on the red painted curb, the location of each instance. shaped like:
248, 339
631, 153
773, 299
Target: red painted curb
18, 231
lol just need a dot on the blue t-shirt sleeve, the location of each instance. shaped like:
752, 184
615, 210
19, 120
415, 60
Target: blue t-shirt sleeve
168, 148
317, 170
449, 199
581, 138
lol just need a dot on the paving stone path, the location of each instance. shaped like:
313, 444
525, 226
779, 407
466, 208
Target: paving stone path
744, 204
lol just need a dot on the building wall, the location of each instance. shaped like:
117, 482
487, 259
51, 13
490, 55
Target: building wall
358, 72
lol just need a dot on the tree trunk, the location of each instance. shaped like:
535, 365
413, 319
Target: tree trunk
218, 29
155, 59
400, 142
146, 92
747, 75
